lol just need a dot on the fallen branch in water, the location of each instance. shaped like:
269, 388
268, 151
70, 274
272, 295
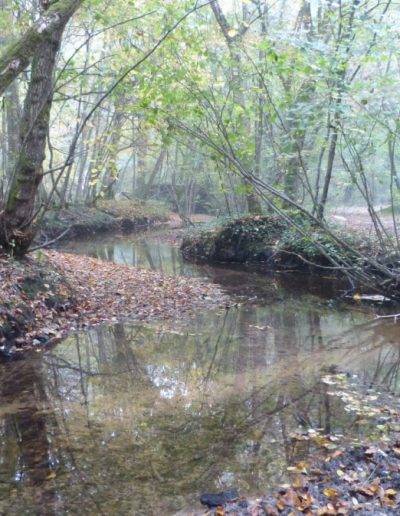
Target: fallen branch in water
390, 316
49, 242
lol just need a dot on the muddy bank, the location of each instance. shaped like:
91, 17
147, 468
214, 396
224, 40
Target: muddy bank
46, 296
106, 216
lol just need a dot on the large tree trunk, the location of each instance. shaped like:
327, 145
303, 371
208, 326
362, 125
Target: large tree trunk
12, 113
16, 231
18, 55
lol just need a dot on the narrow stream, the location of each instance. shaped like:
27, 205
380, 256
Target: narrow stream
140, 419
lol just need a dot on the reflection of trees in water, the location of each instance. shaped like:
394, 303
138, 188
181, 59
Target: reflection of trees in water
128, 416
29, 432
146, 251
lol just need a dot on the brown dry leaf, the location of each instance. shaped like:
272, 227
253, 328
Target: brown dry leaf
269, 511
328, 510
371, 450
220, 511
280, 505
389, 498
299, 482
304, 501
370, 490
287, 499
302, 467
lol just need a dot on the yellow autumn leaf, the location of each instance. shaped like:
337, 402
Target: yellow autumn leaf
330, 492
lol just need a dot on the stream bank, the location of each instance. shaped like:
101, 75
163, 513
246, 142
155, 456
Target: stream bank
278, 245
143, 419
51, 294
105, 216
48, 294
272, 241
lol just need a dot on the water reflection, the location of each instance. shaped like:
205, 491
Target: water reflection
152, 250
133, 419
139, 420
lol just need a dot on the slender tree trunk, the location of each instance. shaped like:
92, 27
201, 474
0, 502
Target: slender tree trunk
233, 42
154, 173
110, 177
339, 89
329, 168
393, 168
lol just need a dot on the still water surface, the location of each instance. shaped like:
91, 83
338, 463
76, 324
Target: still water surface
136, 419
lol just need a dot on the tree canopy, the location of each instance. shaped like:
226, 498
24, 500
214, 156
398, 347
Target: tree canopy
237, 106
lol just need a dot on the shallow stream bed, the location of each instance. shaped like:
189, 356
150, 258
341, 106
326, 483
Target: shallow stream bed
140, 419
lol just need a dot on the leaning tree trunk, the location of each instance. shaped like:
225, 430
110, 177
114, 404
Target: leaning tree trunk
16, 229
17, 56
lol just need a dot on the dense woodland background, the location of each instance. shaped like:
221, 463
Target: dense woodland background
215, 107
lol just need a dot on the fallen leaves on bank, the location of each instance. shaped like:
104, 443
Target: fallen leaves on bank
355, 481
47, 297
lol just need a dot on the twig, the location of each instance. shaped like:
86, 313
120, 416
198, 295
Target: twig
390, 316
46, 244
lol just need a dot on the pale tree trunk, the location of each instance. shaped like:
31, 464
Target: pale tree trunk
81, 168
110, 177
157, 168
296, 135
393, 169
233, 42
11, 111
259, 120
16, 231
12, 114
142, 144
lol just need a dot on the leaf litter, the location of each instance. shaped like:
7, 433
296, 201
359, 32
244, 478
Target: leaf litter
46, 297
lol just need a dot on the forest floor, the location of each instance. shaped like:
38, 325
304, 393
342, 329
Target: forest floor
354, 481
358, 219
46, 296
